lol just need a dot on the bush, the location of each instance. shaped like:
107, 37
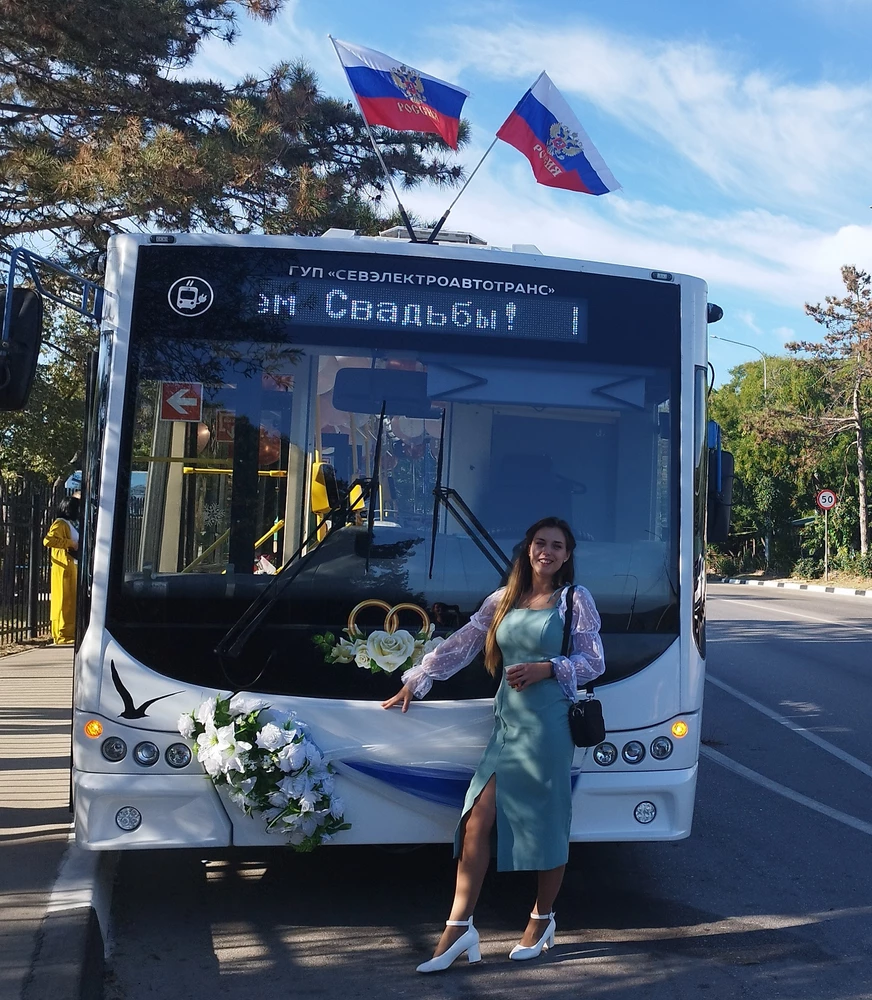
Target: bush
721, 563
808, 568
852, 562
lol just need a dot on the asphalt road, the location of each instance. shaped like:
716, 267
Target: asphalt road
771, 897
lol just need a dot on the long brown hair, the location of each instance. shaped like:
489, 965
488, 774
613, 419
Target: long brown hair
521, 580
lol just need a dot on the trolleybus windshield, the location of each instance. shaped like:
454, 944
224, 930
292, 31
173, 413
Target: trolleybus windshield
248, 421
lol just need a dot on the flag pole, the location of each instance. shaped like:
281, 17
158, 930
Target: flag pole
432, 237
377, 151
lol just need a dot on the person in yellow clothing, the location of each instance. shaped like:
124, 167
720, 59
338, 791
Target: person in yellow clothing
63, 541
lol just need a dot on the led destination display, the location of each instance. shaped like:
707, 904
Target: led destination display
317, 303
284, 291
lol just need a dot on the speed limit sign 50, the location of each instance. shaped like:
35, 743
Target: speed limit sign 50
826, 499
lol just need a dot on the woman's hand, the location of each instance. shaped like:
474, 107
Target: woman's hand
522, 675
403, 696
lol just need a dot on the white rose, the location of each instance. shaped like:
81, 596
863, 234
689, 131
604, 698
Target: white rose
292, 757
344, 651
206, 711
185, 725
390, 650
431, 644
270, 737
361, 657
242, 705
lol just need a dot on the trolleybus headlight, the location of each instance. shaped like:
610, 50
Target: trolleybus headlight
645, 812
605, 754
146, 754
128, 818
661, 748
633, 752
178, 755
114, 749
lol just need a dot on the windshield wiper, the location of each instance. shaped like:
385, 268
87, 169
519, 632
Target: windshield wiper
461, 512
250, 620
454, 503
375, 488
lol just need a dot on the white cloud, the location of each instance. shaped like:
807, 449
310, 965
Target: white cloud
260, 46
746, 317
751, 133
759, 253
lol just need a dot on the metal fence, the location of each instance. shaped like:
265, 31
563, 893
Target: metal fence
24, 561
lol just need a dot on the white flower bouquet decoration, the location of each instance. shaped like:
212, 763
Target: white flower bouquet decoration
270, 765
382, 650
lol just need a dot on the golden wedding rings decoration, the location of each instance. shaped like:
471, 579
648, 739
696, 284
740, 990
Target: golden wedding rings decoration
392, 614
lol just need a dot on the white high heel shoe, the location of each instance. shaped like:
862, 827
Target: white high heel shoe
467, 942
520, 953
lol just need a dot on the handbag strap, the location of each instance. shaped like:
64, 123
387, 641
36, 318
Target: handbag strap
567, 629
567, 621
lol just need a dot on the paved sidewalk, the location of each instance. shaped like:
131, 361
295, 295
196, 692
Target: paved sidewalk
35, 700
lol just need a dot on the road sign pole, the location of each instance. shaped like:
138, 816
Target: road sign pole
826, 545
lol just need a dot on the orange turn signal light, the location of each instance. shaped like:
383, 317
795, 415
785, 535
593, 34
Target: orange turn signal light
679, 729
93, 729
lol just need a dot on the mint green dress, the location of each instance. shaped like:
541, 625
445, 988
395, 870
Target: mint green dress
530, 752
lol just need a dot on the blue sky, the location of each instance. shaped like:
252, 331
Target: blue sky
741, 132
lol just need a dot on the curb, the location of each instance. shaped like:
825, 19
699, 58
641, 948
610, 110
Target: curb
817, 588
73, 940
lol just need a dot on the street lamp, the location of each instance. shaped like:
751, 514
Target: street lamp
714, 336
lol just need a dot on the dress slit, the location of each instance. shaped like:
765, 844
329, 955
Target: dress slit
461, 826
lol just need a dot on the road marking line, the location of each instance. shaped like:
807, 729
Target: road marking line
788, 793
799, 730
793, 614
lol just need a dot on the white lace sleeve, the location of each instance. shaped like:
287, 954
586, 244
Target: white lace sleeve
586, 660
455, 653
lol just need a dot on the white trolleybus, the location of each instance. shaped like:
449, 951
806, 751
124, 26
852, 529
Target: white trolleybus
379, 421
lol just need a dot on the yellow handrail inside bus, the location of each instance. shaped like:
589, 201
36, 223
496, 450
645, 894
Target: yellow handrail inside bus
201, 470
208, 551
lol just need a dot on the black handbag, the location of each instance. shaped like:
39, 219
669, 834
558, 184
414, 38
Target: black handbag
585, 717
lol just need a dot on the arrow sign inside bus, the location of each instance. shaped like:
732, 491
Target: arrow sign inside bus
181, 401
628, 390
442, 380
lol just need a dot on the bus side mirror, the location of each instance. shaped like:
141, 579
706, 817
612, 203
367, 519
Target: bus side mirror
720, 496
19, 346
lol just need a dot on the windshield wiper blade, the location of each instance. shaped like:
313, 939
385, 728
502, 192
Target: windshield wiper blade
461, 512
375, 480
251, 619
436, 491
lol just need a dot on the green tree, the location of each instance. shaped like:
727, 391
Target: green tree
105, 128
780, 454
846, 354
43, 440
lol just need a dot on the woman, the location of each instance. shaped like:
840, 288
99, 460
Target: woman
63, 541
522, 784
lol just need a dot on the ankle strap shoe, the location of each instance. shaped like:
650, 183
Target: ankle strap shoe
520, 953
467, 942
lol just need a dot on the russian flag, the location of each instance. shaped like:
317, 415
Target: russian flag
395, 95
560, 152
